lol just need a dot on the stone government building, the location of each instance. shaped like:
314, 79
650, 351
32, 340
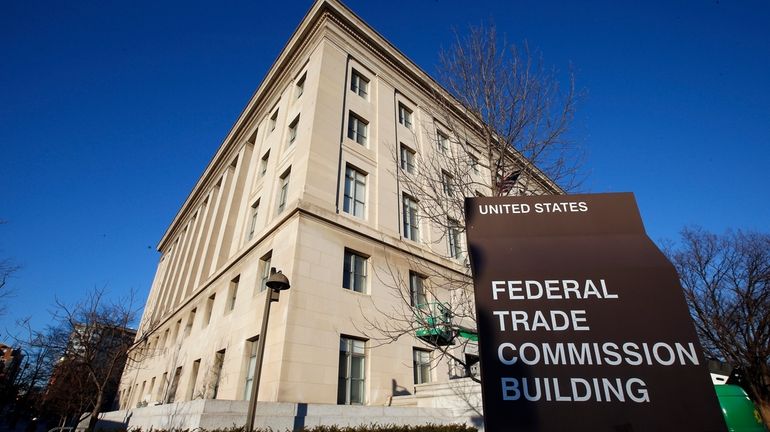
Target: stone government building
306, 182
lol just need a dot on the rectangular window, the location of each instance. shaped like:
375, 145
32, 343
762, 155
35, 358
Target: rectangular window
209, 309
300, 86
447, 183
283, 192
250, 363
162, 386
357, 129
190, 322
216, 377
355, 192
417, 289
411, 227
442, 143
293, 130
359, 84
193, 378
407, 159
264, 271
453, 235
233, 295
354, 272
171, 395
421, 366
253, 219
404, 116
164, 341
177, 327
151, 389
352, 372
263, 163
474, 162
273, 120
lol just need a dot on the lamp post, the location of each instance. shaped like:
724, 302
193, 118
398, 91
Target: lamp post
276, 283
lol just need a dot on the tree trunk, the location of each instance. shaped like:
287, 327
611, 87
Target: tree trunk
95, 413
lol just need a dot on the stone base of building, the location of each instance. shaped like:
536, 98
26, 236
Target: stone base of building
278, 416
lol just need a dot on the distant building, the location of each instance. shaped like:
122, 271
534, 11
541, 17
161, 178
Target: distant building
307, 182
10, 366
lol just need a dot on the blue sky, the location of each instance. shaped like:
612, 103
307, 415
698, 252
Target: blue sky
109, 112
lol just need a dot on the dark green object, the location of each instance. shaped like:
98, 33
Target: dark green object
741, 415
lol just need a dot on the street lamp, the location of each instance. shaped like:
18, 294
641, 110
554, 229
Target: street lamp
276, 283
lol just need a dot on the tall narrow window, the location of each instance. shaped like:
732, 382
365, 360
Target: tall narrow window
273, 120
359, 84
171, 395
355, 192
233, 295
411, 227
447, 183
300, 86
263, 163
283, 191
417, 289
352, 372
407, 159
177, 327
250, 363
404, 116
216, 377
293, 130
264, 271
151, 389
190, 322
442, 142
453, 235
421, 366
253, 219
193, 378
354, 272
162, 386
357, 129
209, 309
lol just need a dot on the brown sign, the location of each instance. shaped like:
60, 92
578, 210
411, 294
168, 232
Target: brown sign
582, 322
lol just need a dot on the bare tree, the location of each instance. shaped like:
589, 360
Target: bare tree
93, 337
498, 129
726, 280
7, 269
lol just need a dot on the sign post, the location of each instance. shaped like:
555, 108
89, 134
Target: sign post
582, 322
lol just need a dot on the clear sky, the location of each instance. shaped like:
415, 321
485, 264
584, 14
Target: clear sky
109, 112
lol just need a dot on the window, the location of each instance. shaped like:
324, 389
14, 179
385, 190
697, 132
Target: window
253, 221
163, 382
293, 130
442, 142
421, 365
209, 309
357, 129
404, 116
350, 387
447, 183
411, 228
252, 361
190, 321
177, 326
151, 389
417, 289
264, 271
300, 86
216, 377
171, 395
273, 120
284, 190
453, 234
355, 192
193, 378
473, 161
165, 338
263, 164
359, 84
233, 292
354, 272
407, 159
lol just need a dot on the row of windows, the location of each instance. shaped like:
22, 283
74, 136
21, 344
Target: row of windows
351, 385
